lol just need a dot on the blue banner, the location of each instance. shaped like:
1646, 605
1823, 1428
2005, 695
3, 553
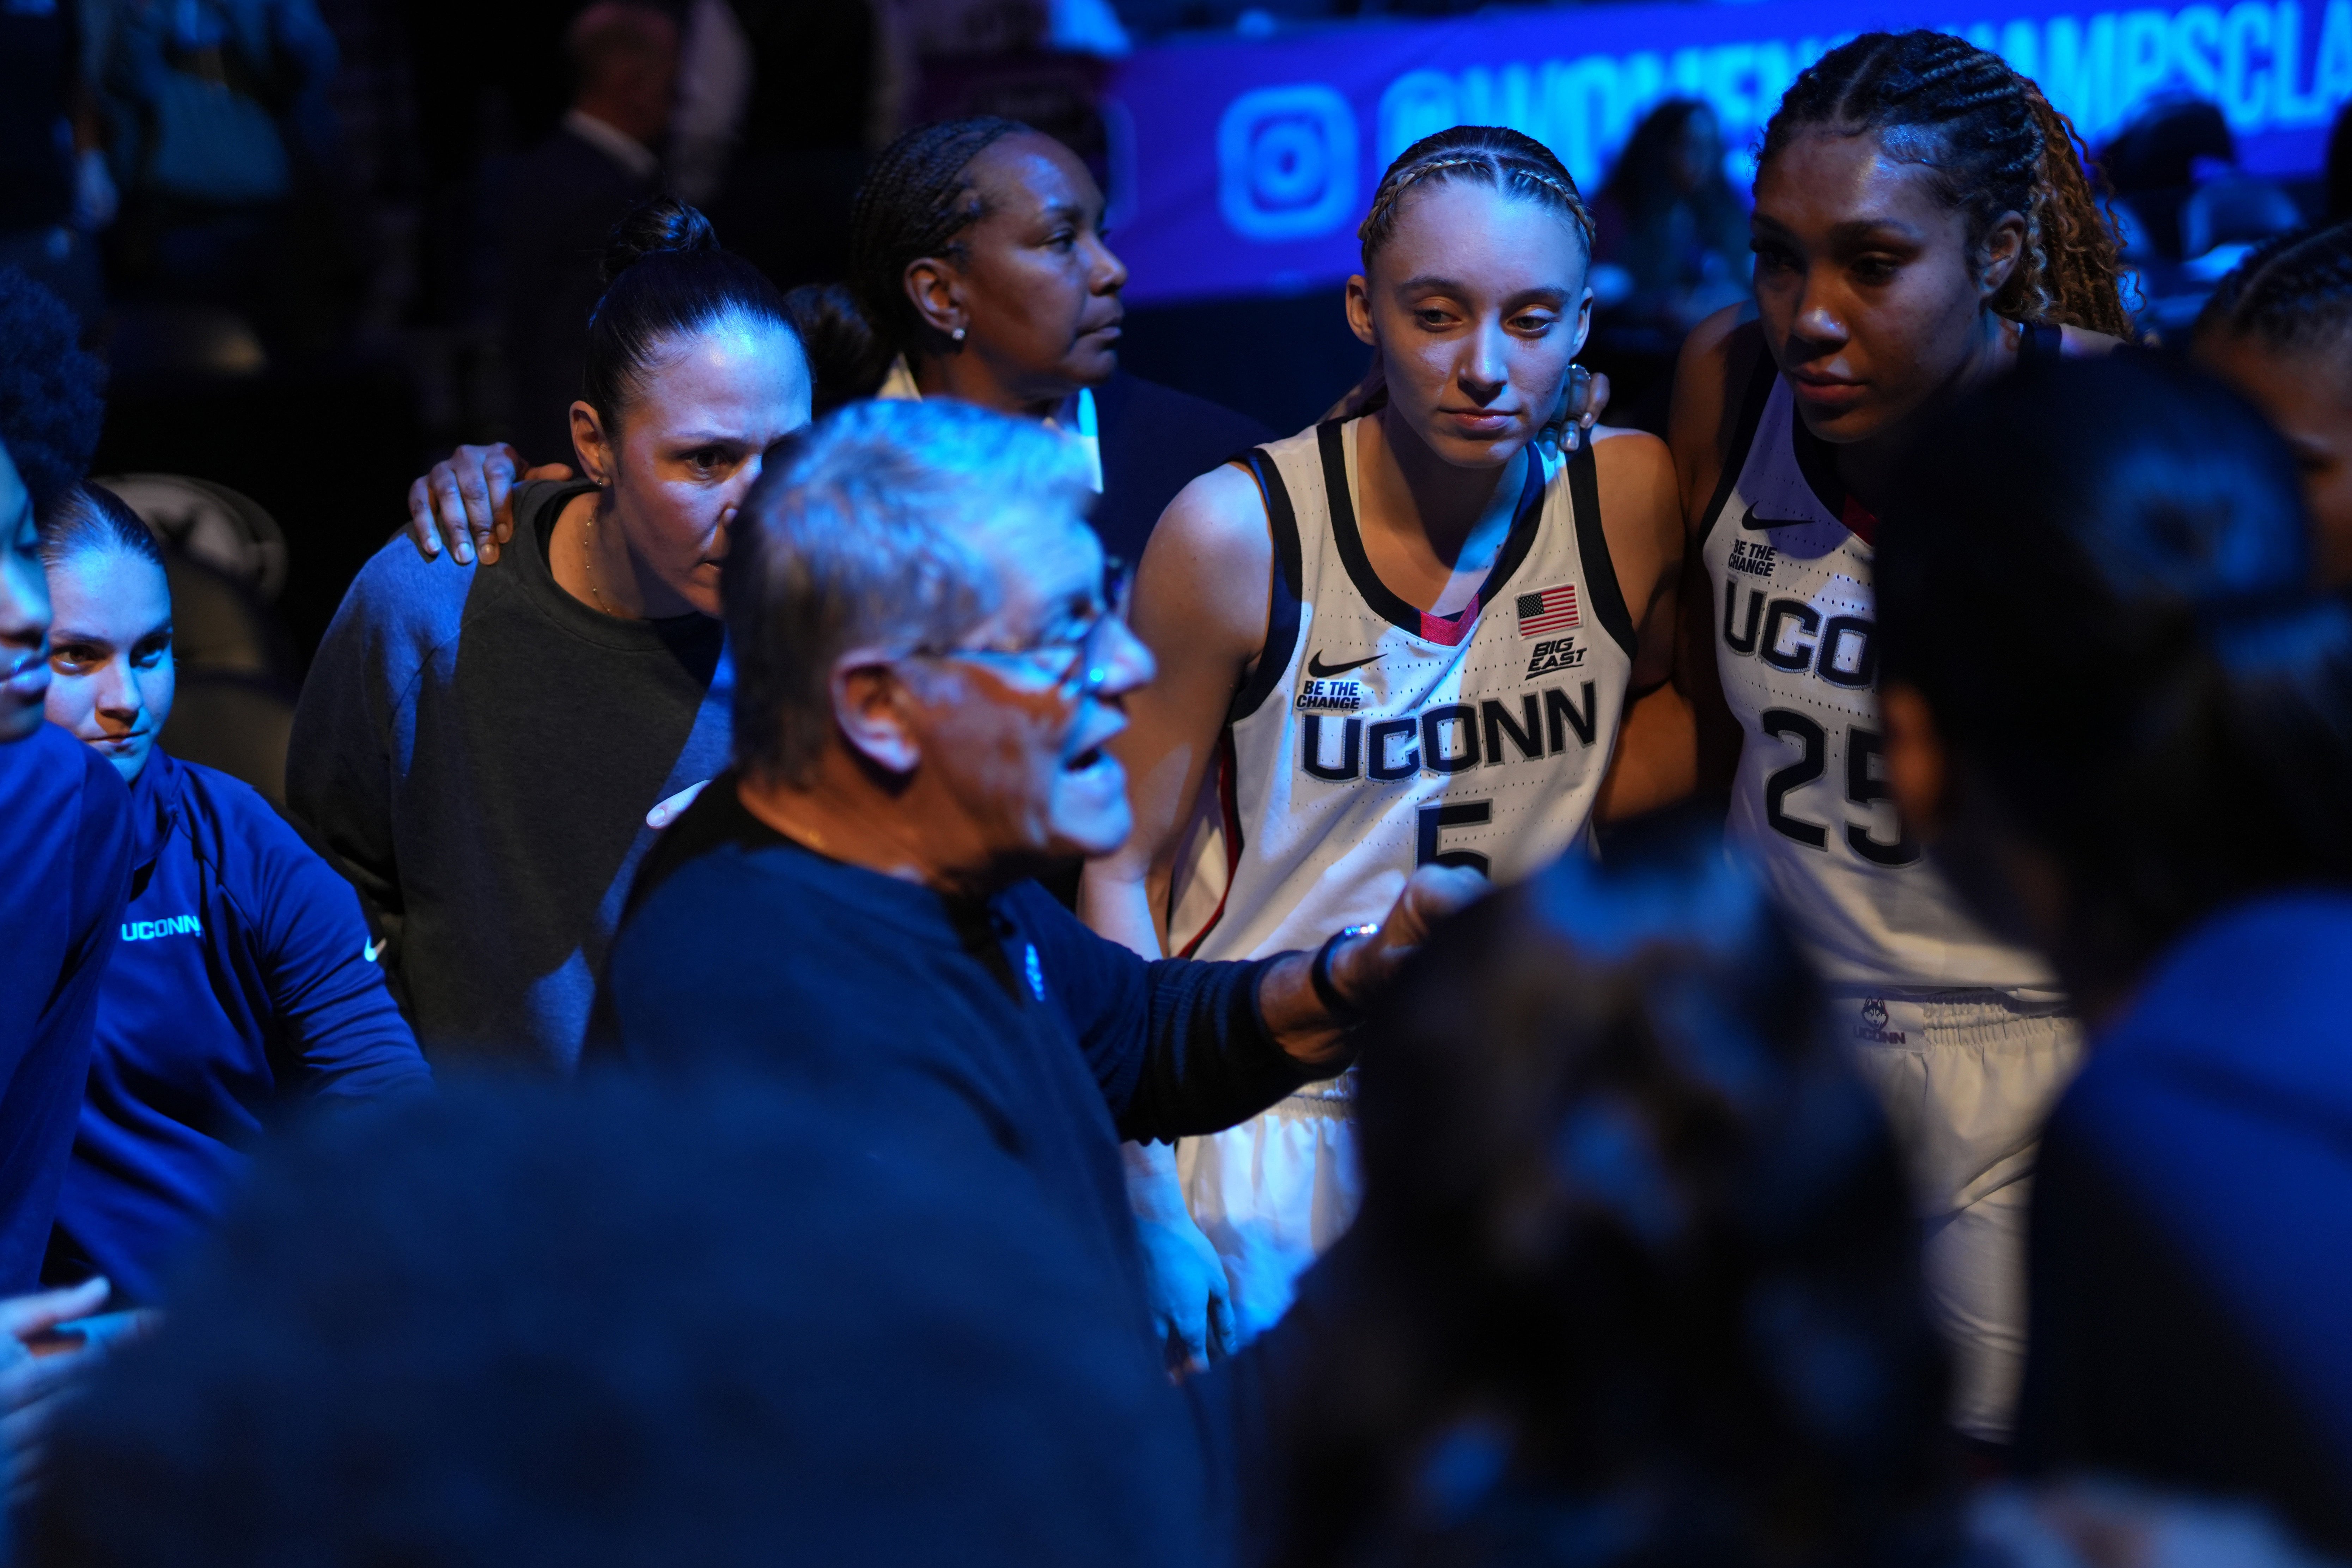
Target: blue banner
1242, 167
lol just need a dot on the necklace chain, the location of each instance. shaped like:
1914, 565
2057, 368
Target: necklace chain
588, 560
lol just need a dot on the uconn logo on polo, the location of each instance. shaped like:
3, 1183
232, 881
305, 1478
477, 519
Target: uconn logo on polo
174, 925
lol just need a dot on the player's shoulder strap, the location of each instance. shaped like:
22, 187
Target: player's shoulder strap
1592, 546
2039, 340
1285, 592
1761, 374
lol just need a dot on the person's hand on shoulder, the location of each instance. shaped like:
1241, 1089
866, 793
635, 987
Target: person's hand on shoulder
1583, 398
468, 502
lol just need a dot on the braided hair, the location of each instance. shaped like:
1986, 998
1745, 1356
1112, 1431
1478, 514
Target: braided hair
1489, 155
2293, 292
1996, 146
917, 198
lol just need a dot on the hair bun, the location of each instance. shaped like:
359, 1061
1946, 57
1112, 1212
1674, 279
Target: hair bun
665, 223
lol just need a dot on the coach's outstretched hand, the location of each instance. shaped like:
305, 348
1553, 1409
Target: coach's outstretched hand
467, 500
1360, 965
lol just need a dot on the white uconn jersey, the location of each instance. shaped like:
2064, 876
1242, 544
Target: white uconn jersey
1796, 643
1372, 737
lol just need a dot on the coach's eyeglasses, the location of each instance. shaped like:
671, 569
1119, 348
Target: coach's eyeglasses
1079, 664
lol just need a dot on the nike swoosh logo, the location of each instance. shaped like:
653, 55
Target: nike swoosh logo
1759, 524
368, 950
1322, 671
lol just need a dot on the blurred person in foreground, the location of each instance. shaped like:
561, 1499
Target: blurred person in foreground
245, 989
2279, 329
630, 1325
929, 665
565, 195
1636, 1277
1635, 1281
2134, 753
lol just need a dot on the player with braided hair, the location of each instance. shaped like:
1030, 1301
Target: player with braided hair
2279, 329
1409, 635
1922, 223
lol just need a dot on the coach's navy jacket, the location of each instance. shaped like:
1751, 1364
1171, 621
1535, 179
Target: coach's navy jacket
1023, 1044
244, 980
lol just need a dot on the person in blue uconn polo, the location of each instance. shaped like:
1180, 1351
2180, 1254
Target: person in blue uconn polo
244, 984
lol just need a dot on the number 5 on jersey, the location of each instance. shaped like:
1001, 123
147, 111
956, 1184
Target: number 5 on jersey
1434, 820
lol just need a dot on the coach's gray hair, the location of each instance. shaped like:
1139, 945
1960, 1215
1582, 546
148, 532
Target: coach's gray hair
869, 530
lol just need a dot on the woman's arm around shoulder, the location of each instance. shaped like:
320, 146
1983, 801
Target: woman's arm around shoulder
1201, 598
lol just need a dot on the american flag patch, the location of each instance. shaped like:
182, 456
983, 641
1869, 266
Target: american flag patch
1553, 610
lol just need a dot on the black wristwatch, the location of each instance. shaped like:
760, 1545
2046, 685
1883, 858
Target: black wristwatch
1344, 1013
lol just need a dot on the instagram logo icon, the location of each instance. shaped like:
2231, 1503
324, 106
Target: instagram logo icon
1286, 162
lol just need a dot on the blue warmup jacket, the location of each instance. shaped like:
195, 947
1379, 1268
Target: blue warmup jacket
244, 982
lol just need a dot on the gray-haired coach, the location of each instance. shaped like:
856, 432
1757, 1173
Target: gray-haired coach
929, 661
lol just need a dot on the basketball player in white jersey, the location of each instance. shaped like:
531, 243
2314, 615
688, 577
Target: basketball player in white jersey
1921, 223
1403, 638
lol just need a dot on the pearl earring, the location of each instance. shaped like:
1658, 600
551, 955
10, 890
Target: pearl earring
957, 335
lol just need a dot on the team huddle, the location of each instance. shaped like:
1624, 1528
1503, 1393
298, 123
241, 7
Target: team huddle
1458, 623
